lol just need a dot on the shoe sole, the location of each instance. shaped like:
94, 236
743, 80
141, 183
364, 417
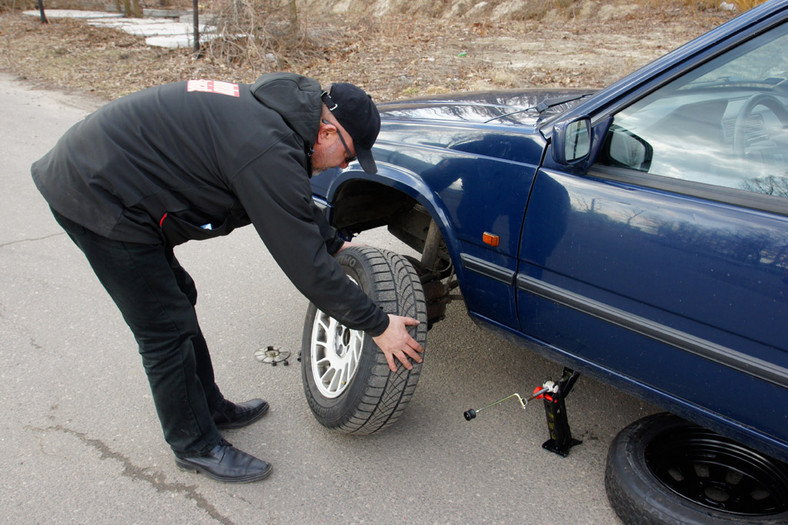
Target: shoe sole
189, 467
228, 426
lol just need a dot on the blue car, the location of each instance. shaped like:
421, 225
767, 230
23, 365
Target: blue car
638, 234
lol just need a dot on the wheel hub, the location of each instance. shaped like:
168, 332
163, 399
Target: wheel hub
341, 340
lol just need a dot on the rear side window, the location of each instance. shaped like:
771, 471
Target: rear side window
724, 124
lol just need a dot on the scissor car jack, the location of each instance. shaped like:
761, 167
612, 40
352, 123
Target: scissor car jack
554, 397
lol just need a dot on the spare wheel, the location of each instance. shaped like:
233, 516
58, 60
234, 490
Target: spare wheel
663, 469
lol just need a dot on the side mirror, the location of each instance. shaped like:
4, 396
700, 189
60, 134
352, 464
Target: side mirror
572, 141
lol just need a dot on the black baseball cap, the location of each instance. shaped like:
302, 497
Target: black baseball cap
356, 112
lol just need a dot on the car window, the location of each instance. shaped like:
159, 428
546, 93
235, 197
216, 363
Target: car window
725, 123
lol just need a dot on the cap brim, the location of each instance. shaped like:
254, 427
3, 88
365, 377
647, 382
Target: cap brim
366, 161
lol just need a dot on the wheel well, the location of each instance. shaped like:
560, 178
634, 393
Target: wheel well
363, 205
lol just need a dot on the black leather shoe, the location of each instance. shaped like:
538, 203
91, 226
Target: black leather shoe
226, 463
233, 415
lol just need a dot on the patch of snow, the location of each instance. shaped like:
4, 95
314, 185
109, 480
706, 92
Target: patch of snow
159, 32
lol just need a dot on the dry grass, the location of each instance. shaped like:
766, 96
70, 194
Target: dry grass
740, 5
391, 57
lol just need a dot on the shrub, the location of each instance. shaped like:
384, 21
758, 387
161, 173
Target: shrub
254, 31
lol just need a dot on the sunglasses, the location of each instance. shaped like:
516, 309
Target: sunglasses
350, 157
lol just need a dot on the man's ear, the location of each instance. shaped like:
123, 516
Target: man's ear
324, 133
326, 130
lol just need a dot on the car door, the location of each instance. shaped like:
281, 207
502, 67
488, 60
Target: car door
664, 264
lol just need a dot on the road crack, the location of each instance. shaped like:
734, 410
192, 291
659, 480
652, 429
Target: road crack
132, 471
20, 241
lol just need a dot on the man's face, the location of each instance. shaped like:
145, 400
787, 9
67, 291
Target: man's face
333, 149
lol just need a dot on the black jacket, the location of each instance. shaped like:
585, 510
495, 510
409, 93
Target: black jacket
194, 160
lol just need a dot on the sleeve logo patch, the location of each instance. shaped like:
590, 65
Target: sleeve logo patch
213, 86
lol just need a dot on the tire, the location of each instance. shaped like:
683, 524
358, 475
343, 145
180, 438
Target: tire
347, 381
665, 470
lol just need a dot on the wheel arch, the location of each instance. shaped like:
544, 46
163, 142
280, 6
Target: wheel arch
393, 197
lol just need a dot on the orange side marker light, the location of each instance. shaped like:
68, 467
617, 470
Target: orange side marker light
491, 239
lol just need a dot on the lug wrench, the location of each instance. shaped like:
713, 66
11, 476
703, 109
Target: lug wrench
549, 386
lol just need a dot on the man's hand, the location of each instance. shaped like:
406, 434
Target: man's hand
397, 342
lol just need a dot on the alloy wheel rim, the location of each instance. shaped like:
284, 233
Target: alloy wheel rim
335, 355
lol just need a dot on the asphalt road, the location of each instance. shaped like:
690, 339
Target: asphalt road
81, 442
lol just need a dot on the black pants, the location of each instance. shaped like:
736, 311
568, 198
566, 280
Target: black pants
156, 297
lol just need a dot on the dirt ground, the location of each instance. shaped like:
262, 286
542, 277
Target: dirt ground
390, 55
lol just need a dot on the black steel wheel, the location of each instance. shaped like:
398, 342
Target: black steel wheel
665, 470
347, 381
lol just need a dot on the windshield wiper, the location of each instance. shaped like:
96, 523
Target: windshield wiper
543, 105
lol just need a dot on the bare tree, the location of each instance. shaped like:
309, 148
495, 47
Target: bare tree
131, 8
41, 10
